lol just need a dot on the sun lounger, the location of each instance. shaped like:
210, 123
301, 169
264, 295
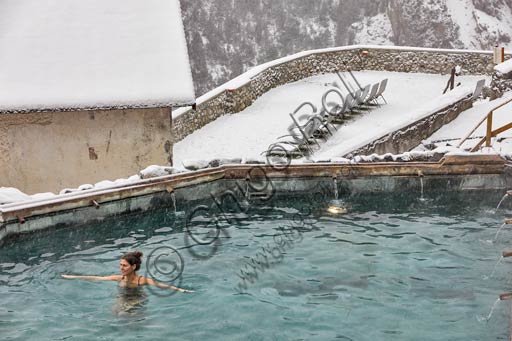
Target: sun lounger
478, 89
381, 90
372, 97
303, 127
334, 109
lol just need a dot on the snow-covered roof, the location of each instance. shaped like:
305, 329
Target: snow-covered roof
505, 67
72, 54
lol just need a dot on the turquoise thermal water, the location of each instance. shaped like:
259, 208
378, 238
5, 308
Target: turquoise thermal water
391, 268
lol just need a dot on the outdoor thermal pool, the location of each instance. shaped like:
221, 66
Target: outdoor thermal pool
395, 267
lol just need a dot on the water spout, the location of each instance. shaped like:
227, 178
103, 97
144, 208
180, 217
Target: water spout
335, 180
173, 198
498, 232
505, 254
482, 319
336, 206
420, 174
495, 267
502, 199
247, 185
506, 296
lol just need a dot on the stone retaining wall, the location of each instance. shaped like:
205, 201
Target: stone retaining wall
411, 136
501, 83
355, 58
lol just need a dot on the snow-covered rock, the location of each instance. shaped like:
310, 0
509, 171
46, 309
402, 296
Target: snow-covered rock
85, 187
505, 67
154, 171
68, 190
134, 178
42, 196
220, 162
254, 161
104, 184
340, 160
10, 195
195, 164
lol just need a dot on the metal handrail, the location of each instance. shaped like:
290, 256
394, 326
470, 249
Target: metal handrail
490, 133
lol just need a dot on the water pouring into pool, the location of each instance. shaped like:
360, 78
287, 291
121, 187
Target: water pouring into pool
503, 199
488, 317
173, 198
494, 268
337, 206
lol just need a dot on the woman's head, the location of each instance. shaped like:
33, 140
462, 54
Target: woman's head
131, 261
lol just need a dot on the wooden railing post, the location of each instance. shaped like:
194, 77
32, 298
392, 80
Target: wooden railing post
488, 135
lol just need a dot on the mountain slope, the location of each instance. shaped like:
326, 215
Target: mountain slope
227, 37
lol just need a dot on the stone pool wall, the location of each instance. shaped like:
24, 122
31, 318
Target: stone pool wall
182, 192
232, 99
411, 136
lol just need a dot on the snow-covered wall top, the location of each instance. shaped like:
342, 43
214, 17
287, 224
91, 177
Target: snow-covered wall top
255, 71
505, 67
242, 91
72, 54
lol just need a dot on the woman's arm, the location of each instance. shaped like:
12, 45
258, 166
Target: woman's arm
149, 281
95, 278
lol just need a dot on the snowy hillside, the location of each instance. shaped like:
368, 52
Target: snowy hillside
226, 38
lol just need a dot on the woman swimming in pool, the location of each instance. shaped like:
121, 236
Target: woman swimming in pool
129, 265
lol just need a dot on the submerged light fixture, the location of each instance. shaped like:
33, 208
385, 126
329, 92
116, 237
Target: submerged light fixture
337, 207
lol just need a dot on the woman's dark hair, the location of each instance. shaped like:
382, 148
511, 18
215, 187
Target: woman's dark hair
133, 258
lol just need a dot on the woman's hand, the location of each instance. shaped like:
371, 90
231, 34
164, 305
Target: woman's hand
183, 290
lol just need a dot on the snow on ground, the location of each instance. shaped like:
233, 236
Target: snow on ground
408, 101
250, 132
452, 133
